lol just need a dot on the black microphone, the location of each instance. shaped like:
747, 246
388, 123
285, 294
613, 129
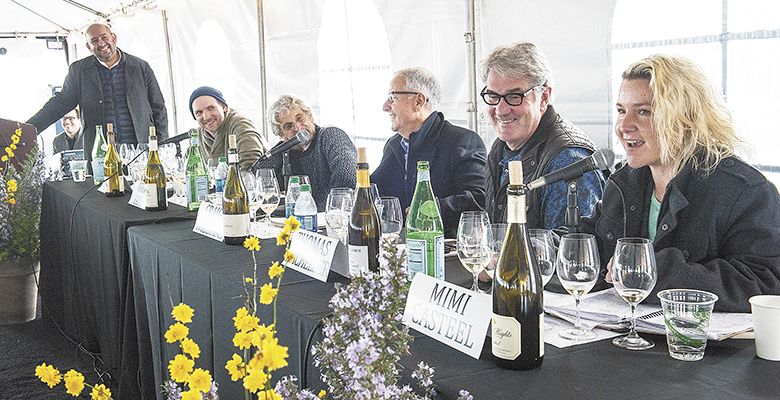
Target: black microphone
600, 159
301, 137
177, 138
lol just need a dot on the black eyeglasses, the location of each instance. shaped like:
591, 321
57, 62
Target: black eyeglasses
391, 96
512, 99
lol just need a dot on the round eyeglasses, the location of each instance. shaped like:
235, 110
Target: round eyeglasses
512, 99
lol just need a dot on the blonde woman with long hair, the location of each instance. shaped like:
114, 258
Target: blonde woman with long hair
714, 220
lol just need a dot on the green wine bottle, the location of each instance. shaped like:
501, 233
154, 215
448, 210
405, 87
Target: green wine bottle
154, 181
235, 201
112, 166
517, 324
424, 229
364, 226
196, 174
98, 155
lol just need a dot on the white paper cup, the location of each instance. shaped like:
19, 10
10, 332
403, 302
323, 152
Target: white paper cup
766, 323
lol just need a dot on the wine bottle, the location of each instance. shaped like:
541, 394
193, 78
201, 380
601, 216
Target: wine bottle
196, 175
235, 202
518, 313
154, 181
424, 229
112, 167
98, 155
364, 228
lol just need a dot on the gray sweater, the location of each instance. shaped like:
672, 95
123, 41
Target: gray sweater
330, 161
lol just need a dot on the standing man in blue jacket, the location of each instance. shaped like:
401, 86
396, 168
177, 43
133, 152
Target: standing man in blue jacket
111, 87
456, 155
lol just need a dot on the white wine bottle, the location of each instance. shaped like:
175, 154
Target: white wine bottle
518, 313
154, 181
364, 227
112, 167
235, 202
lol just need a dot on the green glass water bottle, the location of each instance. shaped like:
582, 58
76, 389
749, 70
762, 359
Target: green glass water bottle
424, 229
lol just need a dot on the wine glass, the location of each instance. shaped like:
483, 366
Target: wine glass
249, 185
374, 190
391, 217
578, 269
497, 236
634, 274
338, 208
474, 239
267, 191
544, 248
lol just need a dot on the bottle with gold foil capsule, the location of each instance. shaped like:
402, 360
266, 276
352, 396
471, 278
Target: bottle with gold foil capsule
364, 227
154, 181
235, 200
112, 166
517, 325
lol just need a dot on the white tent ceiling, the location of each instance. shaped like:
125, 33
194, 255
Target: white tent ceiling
60, 16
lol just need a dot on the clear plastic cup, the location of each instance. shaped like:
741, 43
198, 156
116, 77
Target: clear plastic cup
687, 315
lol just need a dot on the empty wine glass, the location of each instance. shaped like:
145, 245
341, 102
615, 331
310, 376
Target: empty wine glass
254, 201
267, 190
338, 207
391, 217
374, 190
497, 236
474, 239
634, 274
578, 269
544, 248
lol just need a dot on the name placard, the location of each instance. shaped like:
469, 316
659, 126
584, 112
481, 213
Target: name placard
209, 221
448, 313
314, 253
138, 195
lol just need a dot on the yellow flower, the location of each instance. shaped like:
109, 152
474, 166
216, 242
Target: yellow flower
100, 392
289, 256
267, 293
183, 313
292, 224
12, 201
241, 312
252, 243
200, 380
9, 152
12, 185
12, 146
4, 158
180, 367
188, 346
191, 395
48, 374
322, 394
74, 382
176, 332
269, 394
248, 280
236, 367
242, 340
283, 237
246, 323
255, 380
261, 334
275, 270
273, 355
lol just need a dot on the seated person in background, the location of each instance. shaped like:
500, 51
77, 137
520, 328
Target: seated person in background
329, 157
71, 138
456, 155
713, 219
217, 121
518, 93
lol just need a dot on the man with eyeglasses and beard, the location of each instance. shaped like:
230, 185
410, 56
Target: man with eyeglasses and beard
518, 93
70, 138
456, 155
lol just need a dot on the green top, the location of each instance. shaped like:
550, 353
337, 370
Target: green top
652, 218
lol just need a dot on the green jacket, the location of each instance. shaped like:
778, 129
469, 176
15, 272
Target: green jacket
251, 145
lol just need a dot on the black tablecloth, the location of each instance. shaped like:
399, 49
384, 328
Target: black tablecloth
88, 294
170, 264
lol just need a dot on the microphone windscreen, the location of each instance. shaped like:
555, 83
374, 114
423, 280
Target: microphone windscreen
303, 136
604, 158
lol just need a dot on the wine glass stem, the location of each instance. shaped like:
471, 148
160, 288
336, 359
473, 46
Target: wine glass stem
577, 324
632, 331
475, 286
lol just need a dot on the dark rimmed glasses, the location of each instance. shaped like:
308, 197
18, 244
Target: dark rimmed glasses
392, 95
512, 99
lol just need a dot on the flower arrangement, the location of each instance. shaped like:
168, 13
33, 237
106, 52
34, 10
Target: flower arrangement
20, 203
74, 382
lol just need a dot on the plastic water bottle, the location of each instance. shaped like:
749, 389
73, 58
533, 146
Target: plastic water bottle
306, 209
293, 191
220, 175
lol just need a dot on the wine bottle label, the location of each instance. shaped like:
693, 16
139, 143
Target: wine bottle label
150, 195
152, 145
515, 209
232, 158
121, 183
506, 336
416, 260
358, 260
235, 225
197, 188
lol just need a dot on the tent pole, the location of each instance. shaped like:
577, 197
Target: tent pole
472, 67
263, 81
175, 131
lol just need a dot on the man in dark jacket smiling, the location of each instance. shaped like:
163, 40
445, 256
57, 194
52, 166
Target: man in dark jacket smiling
456, 155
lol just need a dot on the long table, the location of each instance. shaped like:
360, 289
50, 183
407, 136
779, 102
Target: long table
84, 273
172, 264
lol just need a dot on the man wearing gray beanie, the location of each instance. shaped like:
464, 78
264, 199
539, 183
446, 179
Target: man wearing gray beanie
217, 121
